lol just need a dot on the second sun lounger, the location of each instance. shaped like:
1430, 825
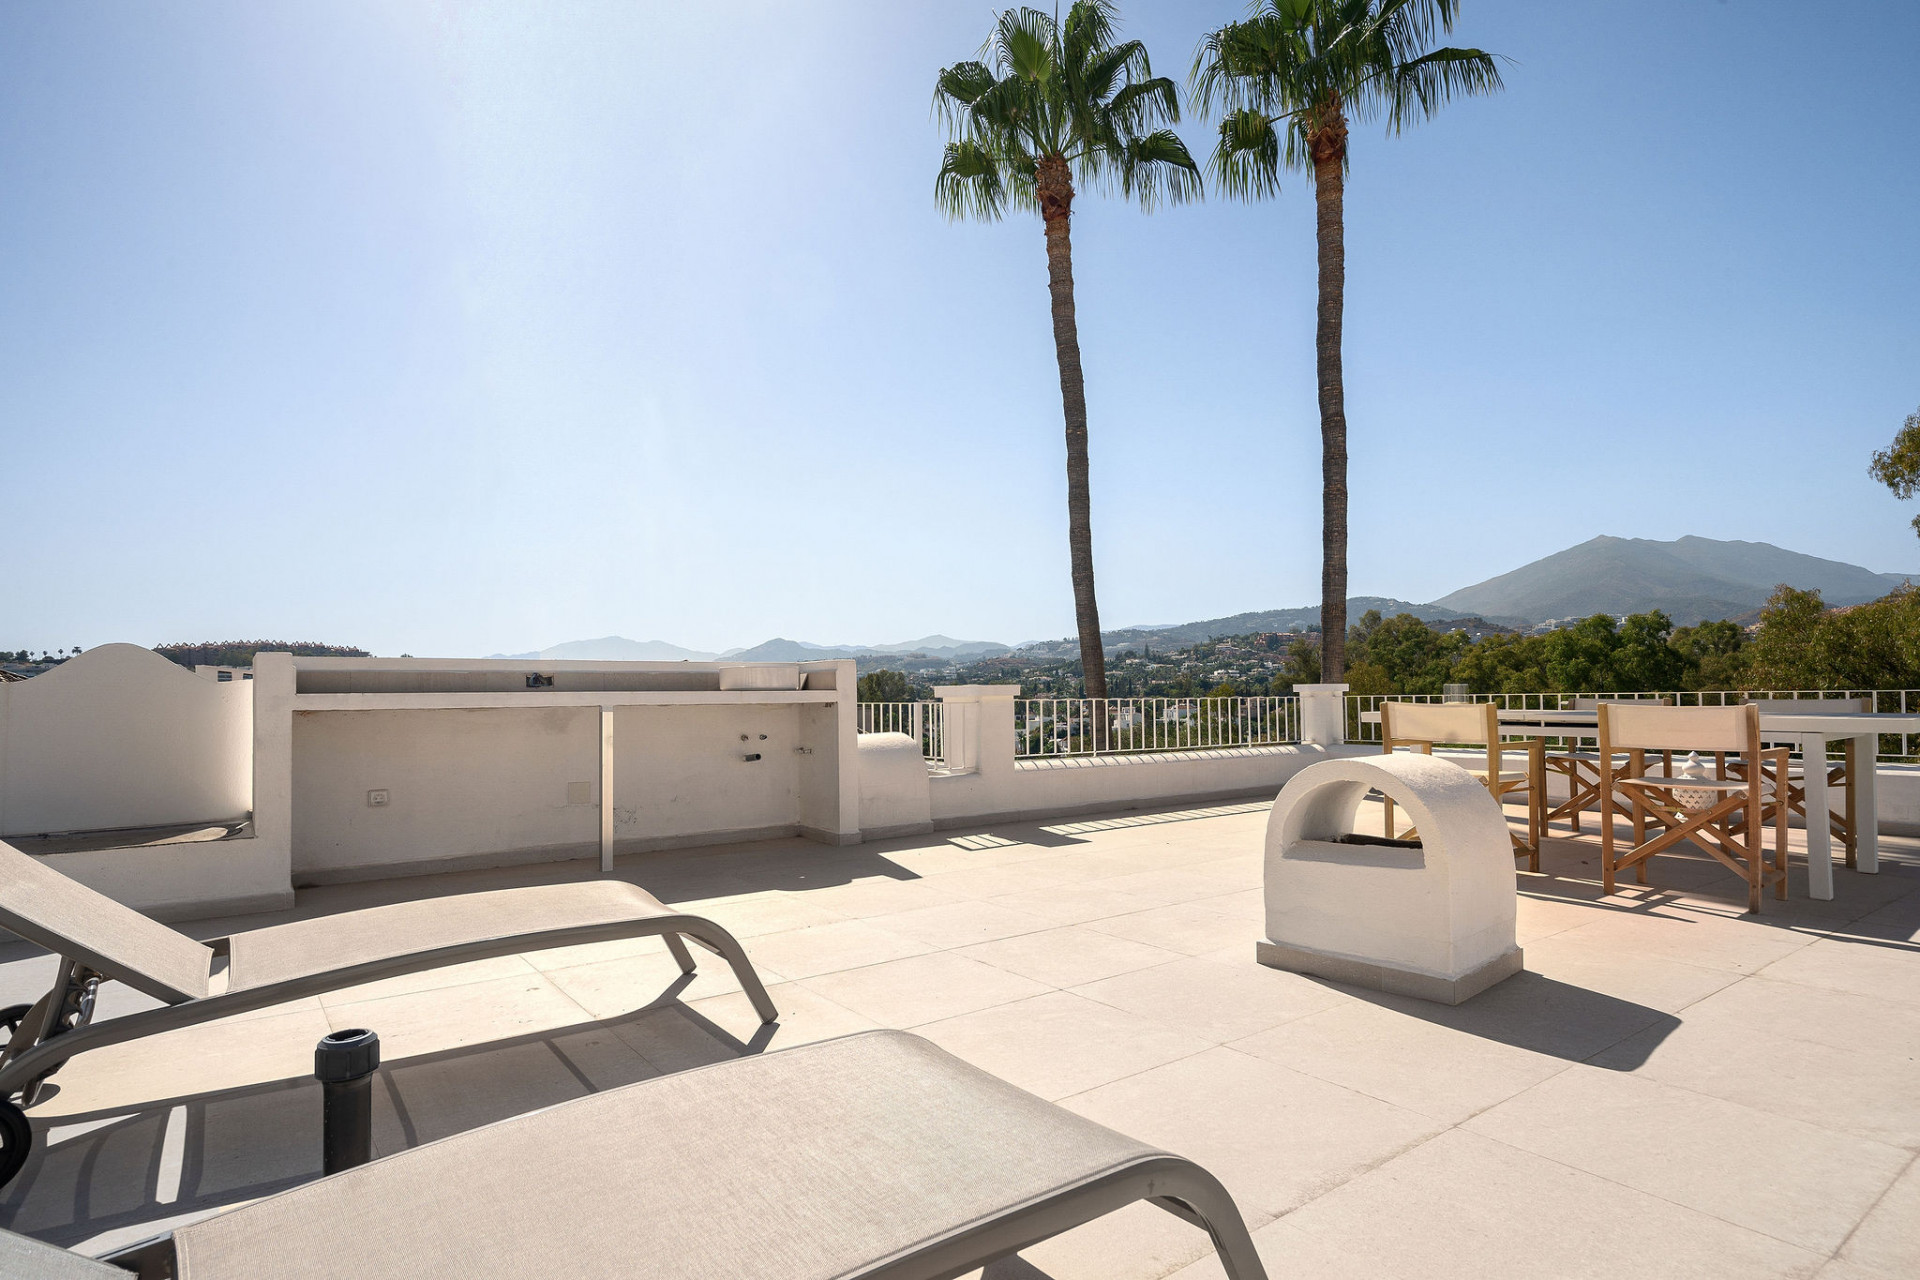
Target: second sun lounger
876, 1155
98, 939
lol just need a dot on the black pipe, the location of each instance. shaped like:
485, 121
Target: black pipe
344, 1063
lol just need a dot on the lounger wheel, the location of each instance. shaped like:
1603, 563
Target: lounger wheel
16, 1140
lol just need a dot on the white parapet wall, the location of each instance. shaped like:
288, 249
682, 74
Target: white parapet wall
984, 782
121, 737
377, 767
119, 742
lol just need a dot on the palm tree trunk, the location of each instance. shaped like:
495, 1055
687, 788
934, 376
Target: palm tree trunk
1055, 190
1328, 146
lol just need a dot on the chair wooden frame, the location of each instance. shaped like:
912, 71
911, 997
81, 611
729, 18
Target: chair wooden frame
1731, 829
1426, 725
1582, 771
1845, 824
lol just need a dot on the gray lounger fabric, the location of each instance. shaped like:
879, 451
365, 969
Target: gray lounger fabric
284, 952
800, 1164
67, 918
24, 1259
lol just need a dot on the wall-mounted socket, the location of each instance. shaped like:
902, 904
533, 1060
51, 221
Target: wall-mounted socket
579, 793
378, 798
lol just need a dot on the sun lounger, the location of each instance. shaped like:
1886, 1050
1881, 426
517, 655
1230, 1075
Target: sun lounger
98, 939
874, 1155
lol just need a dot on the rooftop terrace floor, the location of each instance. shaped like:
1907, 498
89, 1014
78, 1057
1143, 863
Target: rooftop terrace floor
1671, 1089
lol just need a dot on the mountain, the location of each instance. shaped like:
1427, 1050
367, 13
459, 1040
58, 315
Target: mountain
1689, 579
780, 650
614, 649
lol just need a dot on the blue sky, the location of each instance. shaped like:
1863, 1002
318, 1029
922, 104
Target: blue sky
455, 328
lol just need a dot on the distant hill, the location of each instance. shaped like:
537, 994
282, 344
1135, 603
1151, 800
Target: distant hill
614, 649
936, 646
778, 649
1689, 579
239, 653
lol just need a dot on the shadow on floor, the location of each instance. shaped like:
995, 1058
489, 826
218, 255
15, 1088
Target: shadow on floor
108, 1179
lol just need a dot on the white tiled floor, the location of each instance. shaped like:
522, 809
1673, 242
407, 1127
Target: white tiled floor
1672, 1088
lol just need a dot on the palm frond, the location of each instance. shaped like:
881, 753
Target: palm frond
1246, 160
969, 183
1157, 168
1427, 83
959, 87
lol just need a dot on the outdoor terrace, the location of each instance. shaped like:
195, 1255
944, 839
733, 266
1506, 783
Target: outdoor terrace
1673, 1088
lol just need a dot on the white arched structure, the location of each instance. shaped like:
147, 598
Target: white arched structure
1433, 920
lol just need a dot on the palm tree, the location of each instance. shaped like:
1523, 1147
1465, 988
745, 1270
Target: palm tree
1047, 107
1289, 79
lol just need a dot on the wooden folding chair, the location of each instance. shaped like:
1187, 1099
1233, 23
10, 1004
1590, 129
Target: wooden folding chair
1721, 815
1843, 824
1582, 769
1422, 726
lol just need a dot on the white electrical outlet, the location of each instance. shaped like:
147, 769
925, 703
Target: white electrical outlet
378, 798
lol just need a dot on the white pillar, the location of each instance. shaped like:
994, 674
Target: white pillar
979, 728
606, 790
1323, 714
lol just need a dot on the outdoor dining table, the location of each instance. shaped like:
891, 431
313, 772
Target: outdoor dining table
1810, 734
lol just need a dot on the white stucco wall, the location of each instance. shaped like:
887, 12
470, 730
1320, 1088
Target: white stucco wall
121, 737
493, 784
894, 787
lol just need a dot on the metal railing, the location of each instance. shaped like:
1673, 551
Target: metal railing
924, 721
1893, 746
1117, 726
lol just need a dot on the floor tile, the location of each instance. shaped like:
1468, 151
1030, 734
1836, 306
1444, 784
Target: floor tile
1068, 957
1858, 1091
1217, 1001
1888, 1240
919, 989
1060, 1044
476, 1012
1435, 1070
1190, 928
962, 923
1462, 1207
1274, 1137
1769, 1173
826, 948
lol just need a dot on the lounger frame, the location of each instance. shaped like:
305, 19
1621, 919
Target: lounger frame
1179, 1186
49, 1045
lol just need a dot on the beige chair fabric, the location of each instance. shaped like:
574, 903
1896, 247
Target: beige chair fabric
326, 943
1658, 728
69, 919
24, 1259
813, 1162
1442, 723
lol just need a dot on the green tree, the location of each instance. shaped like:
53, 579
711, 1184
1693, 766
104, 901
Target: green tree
1290, 78
884, 686
1714, 653
1050, 108
1898, 465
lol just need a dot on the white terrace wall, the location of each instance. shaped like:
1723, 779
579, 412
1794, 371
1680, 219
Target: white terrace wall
495, 784
121, 737
480, 767
985, 782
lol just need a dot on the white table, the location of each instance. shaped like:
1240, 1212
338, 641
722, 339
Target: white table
1810, 734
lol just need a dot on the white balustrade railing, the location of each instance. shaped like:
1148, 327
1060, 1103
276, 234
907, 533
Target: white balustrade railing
1893, 746
1111, 726
924, 721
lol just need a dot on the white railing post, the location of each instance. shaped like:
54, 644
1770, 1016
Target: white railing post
1323, 714
978, 732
